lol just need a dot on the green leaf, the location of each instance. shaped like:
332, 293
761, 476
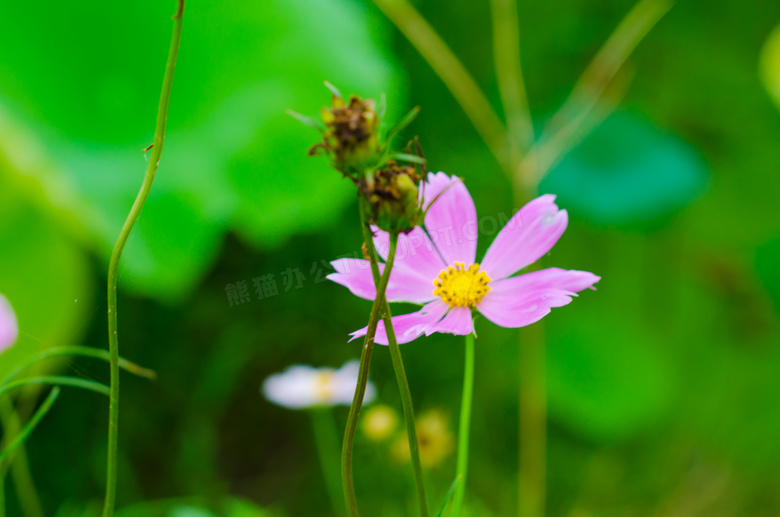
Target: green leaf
402, 124
233, 160
44, 275
627, 172
607, 377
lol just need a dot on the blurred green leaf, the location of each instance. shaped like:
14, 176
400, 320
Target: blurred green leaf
608, 379
233, 159
627, 172
43, 274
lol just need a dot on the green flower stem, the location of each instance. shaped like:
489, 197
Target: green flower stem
347, 476
20, 468
532, 407
506, 54
464, 429
452, 72
406, 394
327, 442
116, 255
532, 489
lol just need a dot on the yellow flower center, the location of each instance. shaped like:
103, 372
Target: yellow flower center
461, 287
323, 386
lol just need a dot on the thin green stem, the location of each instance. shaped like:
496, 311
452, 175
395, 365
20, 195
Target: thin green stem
464, 429
56, 380
327, 442
562, 131
29, 427
347, 475
116, 255
454, 75
18, 464
533, 422
406, 394
614, 53
506, 54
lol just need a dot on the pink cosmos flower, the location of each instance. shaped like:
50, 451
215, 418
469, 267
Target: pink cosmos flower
9, 329
436, 267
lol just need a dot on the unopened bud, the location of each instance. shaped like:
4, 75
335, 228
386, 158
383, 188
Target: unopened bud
392, 195
351, 135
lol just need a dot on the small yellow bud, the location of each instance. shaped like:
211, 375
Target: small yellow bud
379, 423
434, 437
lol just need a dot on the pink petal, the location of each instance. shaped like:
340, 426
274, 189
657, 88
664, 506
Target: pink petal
415, 253
451, 220
528, 308
404, 286
550, 278
9, 328
355, 275
528, 235
408, 327
458, 321
525, 299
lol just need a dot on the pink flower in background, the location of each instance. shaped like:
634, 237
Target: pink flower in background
9, 329
436, 267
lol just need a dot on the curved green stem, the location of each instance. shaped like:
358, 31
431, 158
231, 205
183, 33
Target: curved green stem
347, 476
83, 351
116, 255
464, 429
406, 394
56, 380
326, 438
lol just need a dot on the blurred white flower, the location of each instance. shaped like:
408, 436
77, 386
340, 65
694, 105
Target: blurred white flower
302, 387
9, 328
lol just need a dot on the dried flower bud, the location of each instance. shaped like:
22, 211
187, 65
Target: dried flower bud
351, 136
392, 195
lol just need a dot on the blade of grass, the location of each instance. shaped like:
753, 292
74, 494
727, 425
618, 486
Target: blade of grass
448, 497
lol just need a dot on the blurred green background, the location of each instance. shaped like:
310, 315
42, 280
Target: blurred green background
664, 385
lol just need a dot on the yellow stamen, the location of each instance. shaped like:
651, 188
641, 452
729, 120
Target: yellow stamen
461, 287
